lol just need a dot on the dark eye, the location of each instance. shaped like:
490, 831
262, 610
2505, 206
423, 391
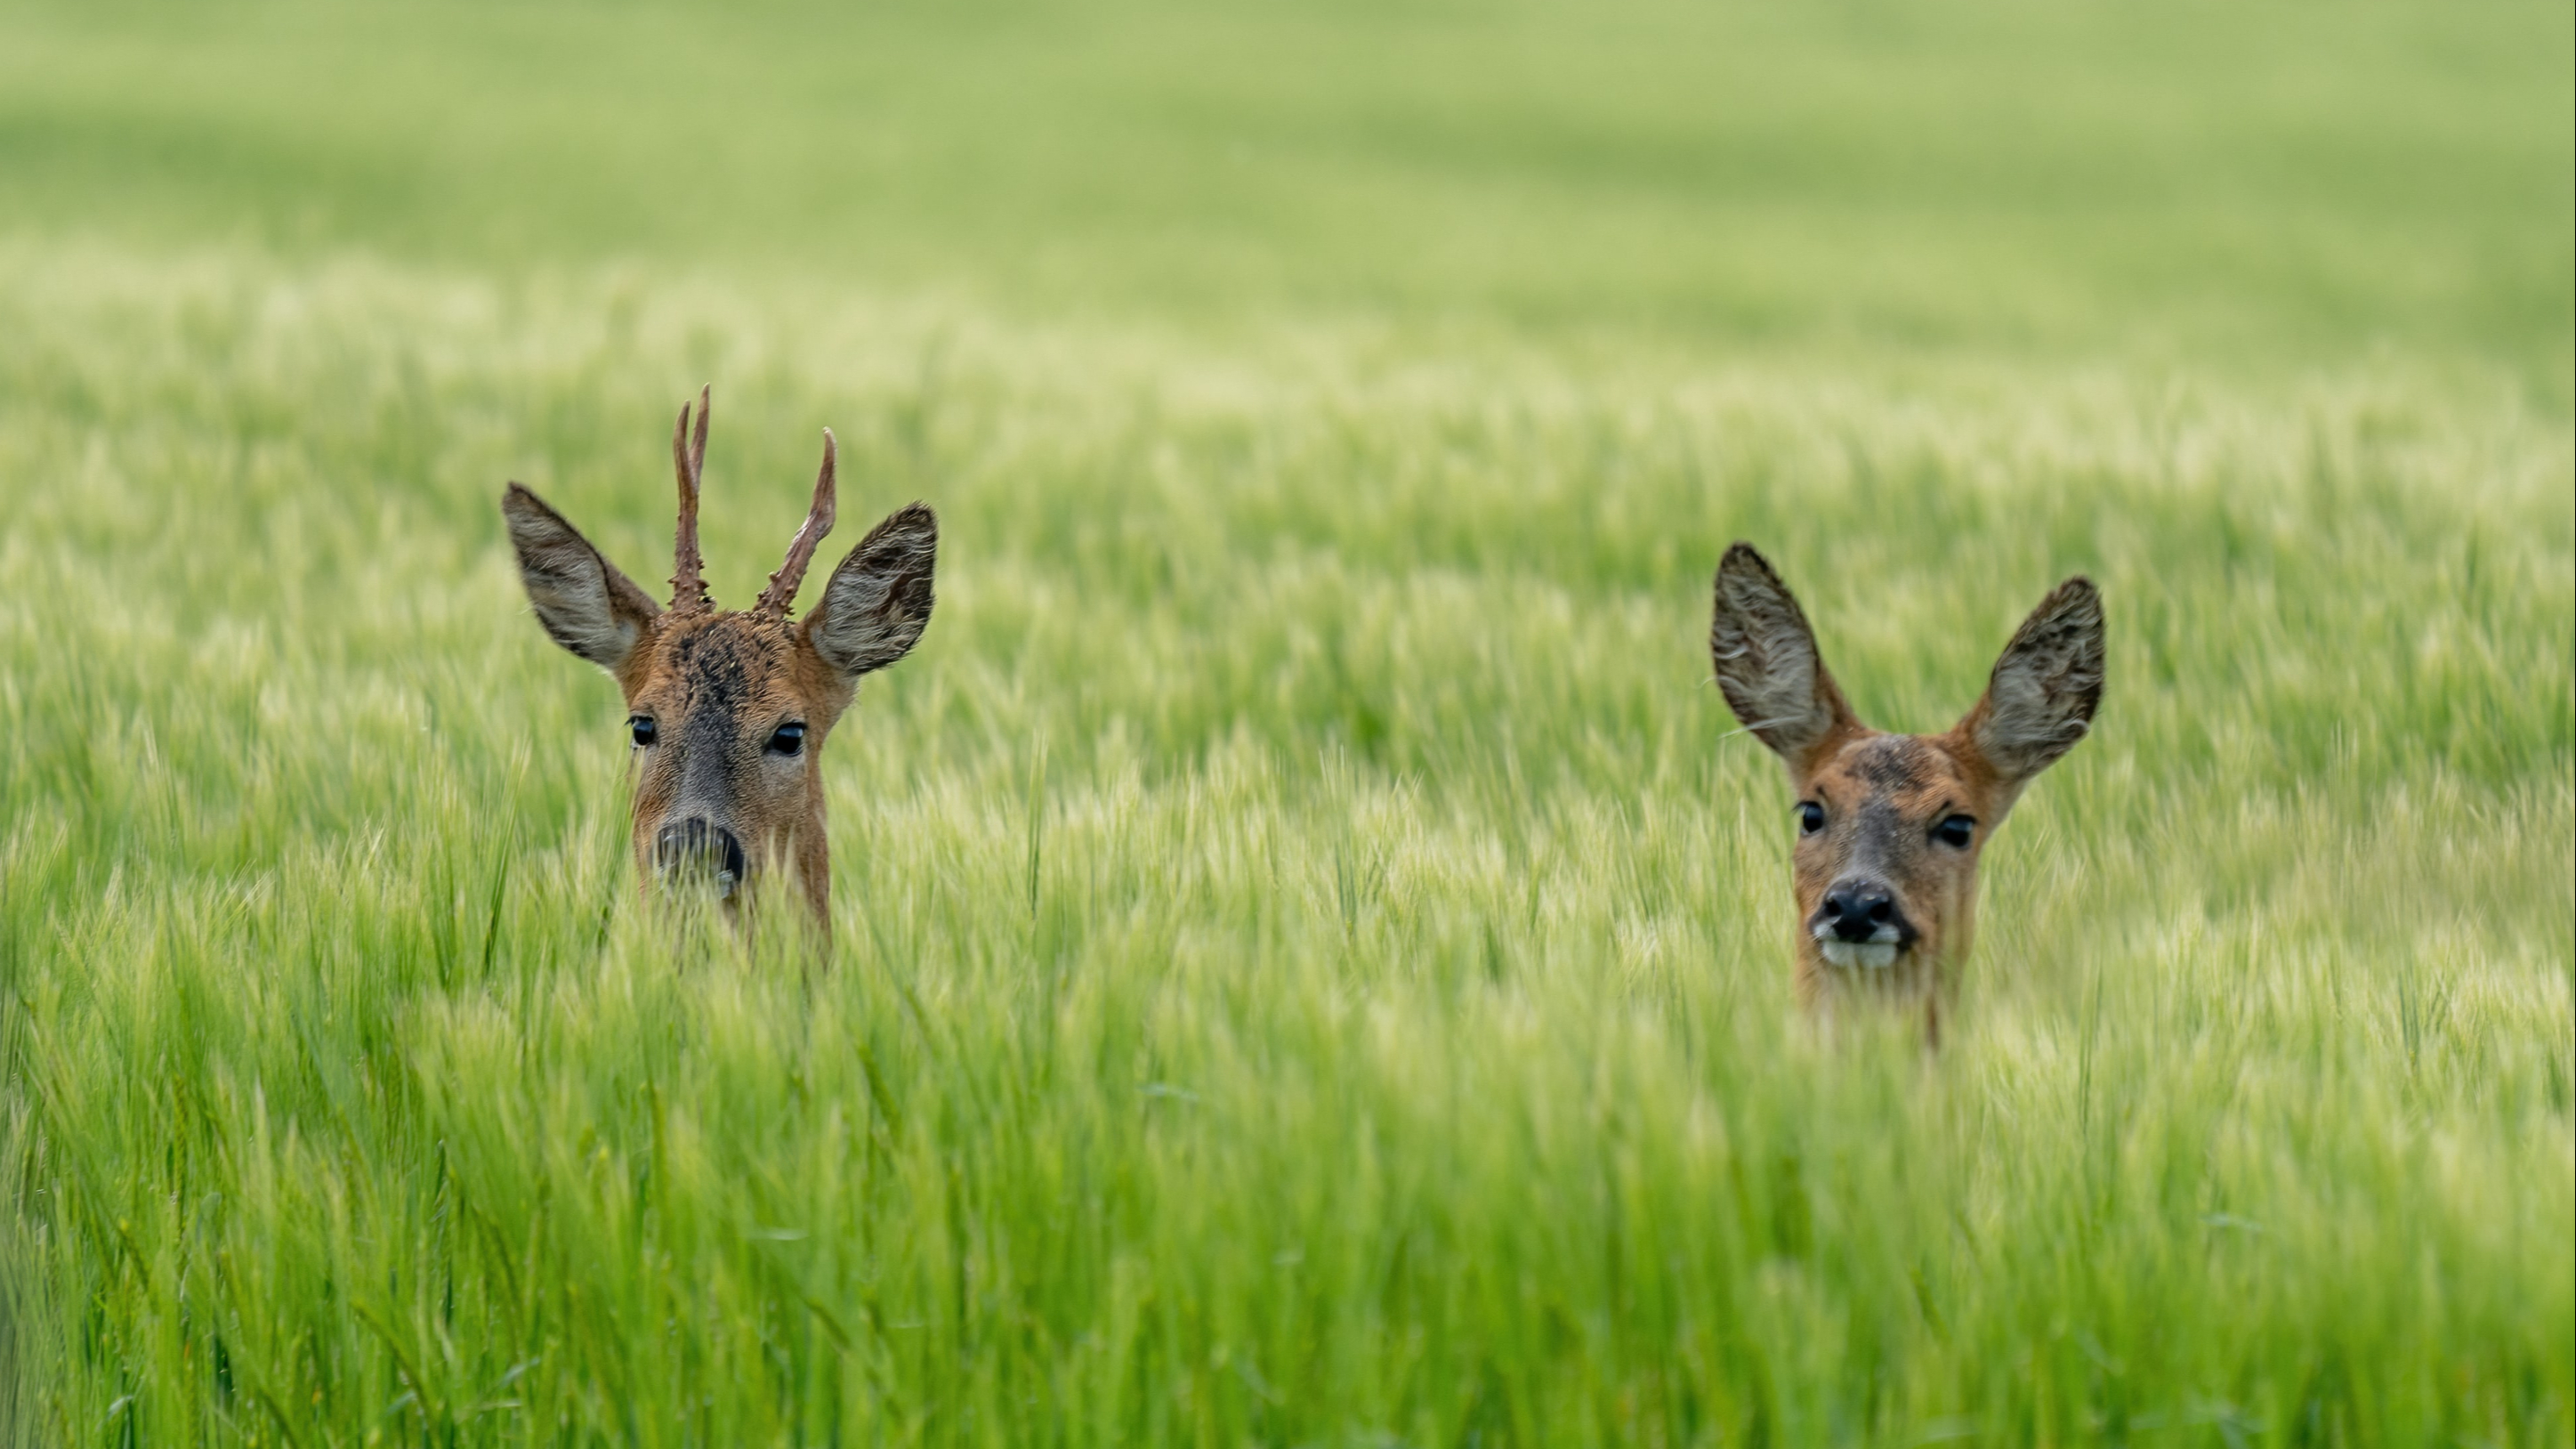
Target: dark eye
789, 739
1811, 817
643, 729
1955, 832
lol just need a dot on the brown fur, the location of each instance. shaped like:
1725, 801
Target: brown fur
1884, 797
718, 684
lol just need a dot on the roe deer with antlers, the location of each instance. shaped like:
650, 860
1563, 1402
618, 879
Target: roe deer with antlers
729, 710
1890, 826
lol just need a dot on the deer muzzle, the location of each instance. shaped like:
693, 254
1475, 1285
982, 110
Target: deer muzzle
699, 851
1860, 923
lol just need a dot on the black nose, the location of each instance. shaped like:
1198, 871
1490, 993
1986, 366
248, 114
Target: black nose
1856, 909
700, 847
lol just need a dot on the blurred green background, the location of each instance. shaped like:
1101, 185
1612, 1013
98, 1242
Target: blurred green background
2197, 178
1311, 949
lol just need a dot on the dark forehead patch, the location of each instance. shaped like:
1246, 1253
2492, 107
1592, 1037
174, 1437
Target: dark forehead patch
724, 662
1895, 762
718, 679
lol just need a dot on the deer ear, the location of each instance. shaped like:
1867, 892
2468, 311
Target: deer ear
586, 605
879, 598
2045, 686
1767, 663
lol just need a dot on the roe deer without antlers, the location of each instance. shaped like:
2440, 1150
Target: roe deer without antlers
1890, 826
729, 710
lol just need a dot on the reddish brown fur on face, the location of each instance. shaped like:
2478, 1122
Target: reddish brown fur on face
717, 687
1884, 796
722, 787
1892, 826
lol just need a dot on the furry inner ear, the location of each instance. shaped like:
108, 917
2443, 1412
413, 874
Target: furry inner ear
879, 599
2045, 686
585, 604
1767, 663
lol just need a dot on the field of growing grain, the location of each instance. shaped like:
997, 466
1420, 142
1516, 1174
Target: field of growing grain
1310, 962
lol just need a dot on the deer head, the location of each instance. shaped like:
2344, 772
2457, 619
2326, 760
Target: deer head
1890, 827
729, 711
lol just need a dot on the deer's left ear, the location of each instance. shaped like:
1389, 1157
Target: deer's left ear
585, 604
879, 598
2041, 699
1767, 663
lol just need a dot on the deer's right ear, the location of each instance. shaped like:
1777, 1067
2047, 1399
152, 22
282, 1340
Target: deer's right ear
1767, 663
585, 604
2045, 687
879, 599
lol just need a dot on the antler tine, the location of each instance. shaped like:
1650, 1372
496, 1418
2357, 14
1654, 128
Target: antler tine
781, 593
688, 586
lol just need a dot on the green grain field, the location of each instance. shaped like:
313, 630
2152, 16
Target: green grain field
1310, 963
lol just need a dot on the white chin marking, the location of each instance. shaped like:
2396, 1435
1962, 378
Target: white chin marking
1867, 955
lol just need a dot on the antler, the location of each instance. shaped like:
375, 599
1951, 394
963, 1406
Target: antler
800, 550
688, 588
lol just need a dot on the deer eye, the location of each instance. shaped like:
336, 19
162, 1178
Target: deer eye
1955, 832
643, 730
1811, 817
789, 739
